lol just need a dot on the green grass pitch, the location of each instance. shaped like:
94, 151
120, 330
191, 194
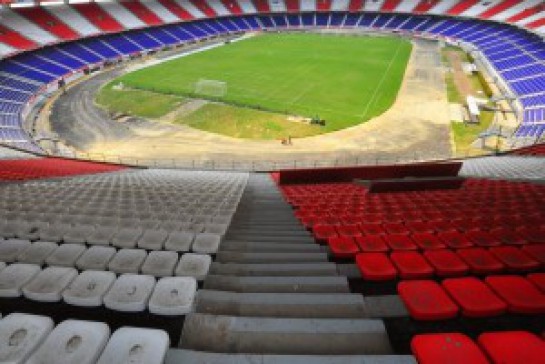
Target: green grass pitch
342, 79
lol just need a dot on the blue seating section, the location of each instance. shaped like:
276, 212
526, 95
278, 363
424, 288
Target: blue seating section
519, 56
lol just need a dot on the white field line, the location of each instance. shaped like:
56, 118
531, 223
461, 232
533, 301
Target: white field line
379, 86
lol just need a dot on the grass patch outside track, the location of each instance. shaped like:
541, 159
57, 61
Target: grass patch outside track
137, 102
344, 80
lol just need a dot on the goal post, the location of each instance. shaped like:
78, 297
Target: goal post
210, 88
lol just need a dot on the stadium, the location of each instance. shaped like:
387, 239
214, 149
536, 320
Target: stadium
272, 181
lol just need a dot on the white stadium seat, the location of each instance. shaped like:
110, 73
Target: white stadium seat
180, 241
66, 255
173, 296
96, 257
20, 335
14, 277
12, 248
206, 243
127, 237
37, 253
153, 239
74, 342
127, 261
136, 345
130, 293
89, 288
194, 265
160, 263
48, 285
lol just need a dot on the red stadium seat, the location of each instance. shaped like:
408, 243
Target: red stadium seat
533, 234
343, 247
538, 279
400, 242
426, 300
395, 228
420, 227
508, 236
446, 263
376, 267
349, 230
411, 265
514, 258
513, 347
537, 251
481, 238
481, 261
455, 239
520, 294
474, 297
372, 229
427, 241
371, 243
452, 348
322, 233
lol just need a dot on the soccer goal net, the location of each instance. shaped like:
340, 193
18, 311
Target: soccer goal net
210, 88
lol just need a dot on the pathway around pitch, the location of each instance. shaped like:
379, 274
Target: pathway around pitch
417, 122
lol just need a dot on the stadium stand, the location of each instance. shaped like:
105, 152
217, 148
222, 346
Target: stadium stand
298, 266
515, 54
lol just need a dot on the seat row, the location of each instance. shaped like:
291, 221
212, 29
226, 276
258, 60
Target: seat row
502, 347
346, 245
125, 238
34, 339
495, 295
154, 263
170, 296
448, 263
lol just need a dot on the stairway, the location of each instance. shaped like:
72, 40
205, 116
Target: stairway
272, 294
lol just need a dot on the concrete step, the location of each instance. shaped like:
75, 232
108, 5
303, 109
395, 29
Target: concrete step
227, 334
297, 305
240, 246
280, 231
269, 238
240, 257
183, 356
333, 284
274, 270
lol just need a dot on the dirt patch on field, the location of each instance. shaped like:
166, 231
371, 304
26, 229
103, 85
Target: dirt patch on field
460, 78
187, 108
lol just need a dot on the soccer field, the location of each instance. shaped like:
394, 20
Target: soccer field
344, 80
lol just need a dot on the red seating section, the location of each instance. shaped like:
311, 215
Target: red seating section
498, 8
427, 300
49, 22
232, 6
390, 5
15, 40
176, 9
535, 150
262, 6
355, 5
461, 6
142, 12
536, 24
523, 15
323, 5
513, 347
28, 169
204, 8
425, 5
508, 347
97, 16
292, 5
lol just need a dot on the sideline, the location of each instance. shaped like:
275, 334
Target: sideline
155, 62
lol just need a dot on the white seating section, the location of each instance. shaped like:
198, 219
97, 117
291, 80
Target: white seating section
33, 339
91, 288
134, 242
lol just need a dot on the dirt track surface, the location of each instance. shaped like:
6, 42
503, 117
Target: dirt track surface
417, 123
